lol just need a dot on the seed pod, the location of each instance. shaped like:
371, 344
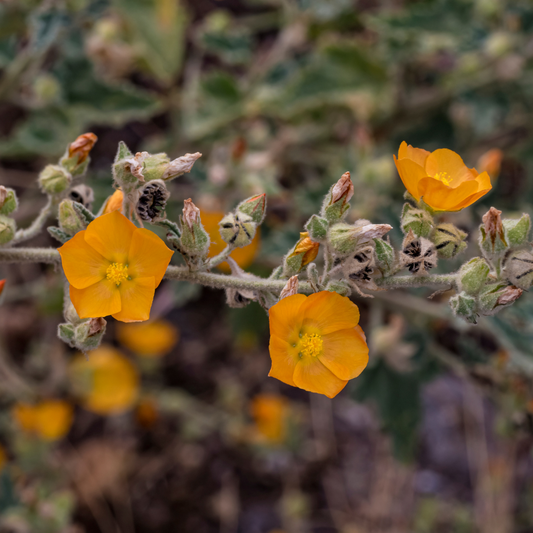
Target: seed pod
449, 240
8, 200
418, 254
237, 229
7, 229
254, 207
519, 269
152, 200
83, 195
360, 266
419, 221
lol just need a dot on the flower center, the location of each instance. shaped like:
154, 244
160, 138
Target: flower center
444, 177
117, 273
310, 345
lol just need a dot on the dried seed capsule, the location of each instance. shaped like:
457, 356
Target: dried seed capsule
360, 266
152, 200
418, 254
83, 195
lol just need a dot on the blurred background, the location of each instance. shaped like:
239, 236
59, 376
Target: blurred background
173, 425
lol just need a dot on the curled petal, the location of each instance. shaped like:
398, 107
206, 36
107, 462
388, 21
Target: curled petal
444, 198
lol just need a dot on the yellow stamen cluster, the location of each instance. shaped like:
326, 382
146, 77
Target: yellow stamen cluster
311, 345
444, 177
117, 273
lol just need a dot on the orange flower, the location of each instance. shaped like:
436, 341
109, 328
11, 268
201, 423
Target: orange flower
440, 178
243, 256
114, 202
270, 413
315, 342
50, 420
2, 285
150, 339
113, 268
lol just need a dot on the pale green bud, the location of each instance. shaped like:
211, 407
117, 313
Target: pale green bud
8, 200
89, 334
464, 306
417, 220
449, 240
384, 255
76, 158
495, 296
519, 269
194, 239
317, 227
54, 179
254, 207
346, 238
66, 333
473, 275
69, 219
336, 202
7, 229
339, 286
237, 229
517, 230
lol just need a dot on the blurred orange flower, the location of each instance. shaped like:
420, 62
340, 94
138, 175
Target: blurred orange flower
106, 383
3, 458
491, 162
113, 268
244, 257
149, 339
50, 419
146, 413
316, 343
270, 412
114, 202
2, 285
440, 178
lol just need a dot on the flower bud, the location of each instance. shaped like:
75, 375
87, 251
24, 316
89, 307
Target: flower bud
301, 255
417, 220
464, 306
194, 239
181, 165
113, 203
473, 275
69, 219
54, 179
495, 296
449, 240
317, 227
76, 158
254, 207
519, 269
237, 229
384, 254
339, 286
336, 202
290, 289
89, 334
7, 229
493, 240
517, 230
346, 238
152, 200
418, 254
2, 285
8, 200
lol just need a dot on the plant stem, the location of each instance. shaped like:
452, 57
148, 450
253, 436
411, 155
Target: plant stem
433, 281
220, 258
29, 255
36, 226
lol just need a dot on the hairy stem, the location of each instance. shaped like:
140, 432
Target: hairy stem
433, 281
220, 258
36, 226
29, 255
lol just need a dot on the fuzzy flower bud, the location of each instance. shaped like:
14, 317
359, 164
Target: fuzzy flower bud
69, 219
255, 207
493, 240
346, 238
8, 200
473, 275
84, 336
417, 220
464, 306
302, 254
7, 229
54, 179
495, 296
194, 239
76, 158
317, 227
336, 202
237, 229
449, 240
519, 269
517, 230
290, 289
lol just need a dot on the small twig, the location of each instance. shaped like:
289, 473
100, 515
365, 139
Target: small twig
36, 226
220, 258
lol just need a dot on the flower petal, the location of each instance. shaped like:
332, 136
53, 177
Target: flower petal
443, 198
286, 319
100, 299
447, 161
418, 155
111, 236
137, 296
311, 375
82, 264
484, 189
284, 360
345, 352
325, 312
148, 256
411, 174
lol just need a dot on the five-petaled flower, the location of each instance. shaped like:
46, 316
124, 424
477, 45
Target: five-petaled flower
440, 178
113, 268
316, 343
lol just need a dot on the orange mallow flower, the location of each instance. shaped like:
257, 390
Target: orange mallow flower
270, 412
113, 268
149, 339
315, 342
440, 178
49, 420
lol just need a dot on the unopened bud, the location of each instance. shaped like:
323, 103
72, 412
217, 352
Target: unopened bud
473, 275
291, 288
302, 254
2, 285
237, 229
152, 200
449, 240
336, 202
495, 296
7, 229
317, 227
76, 158
69, 219
492, 236
346, 238
54, 179
255, 207
194, 239
465, 307
114, 202
419, 221
418, 254
85, 336
8, 200
517, 230
180, 166
519, 269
